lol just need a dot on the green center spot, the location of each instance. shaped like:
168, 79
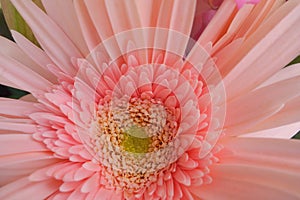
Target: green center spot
136, 140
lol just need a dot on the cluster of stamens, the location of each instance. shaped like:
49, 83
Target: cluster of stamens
135, 139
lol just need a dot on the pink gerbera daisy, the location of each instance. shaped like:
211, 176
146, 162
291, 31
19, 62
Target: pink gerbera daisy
124, 104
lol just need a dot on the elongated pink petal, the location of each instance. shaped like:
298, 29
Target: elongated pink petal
146, 12
259, 105
277, 154
19, 165
255, 168
22, 76
228, 188
86, 25
283, 74
36, 54
255, 18
20, 109
64, 15
19, 143
100, 20
289, 114
258, 64
284, 132
18, 127
58, 46
240, 3
23, 188
219, 23
12, 50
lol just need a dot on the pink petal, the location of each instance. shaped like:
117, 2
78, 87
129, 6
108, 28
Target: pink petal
219, 22
64, 15
276, 154
256, 61
227, 189
146, 11
58, 46
69, 186
20, 108
24, 189
19, 143
86, 25
36, 54
181, 11
283, 132
254, 168
287, 115
91, 183
181, 177
104, 193
256, 17
259, 105
99, 20
19, 127
21, 76
234, 27
283, 74
12, 50
82, 173
240, 3
18, 165
77, 194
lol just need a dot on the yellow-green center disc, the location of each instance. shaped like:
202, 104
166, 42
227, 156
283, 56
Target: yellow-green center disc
136, 140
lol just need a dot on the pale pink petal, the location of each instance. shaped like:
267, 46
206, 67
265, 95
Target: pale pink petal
256, 17
64, 15
146, 11
91, 183
19, 143
100, 18
94, 9
250, 109
17, 127
11, 49
234, 27
257, 63
20, 75
240, 3
86, 24
254, 168
283, 132
24, 189
5, 81
36, 54
77, 194
228, 189
123, 15
58, 46
276, 154
104, 193
19, 165
219, 22
289, 114
276, 5
283, 74
20, 109
181, 11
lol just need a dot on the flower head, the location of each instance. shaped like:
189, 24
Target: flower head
124, 104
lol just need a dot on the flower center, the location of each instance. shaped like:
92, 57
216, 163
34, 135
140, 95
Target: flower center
134, 141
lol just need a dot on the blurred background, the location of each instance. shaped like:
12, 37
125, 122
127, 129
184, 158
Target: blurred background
15, 93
